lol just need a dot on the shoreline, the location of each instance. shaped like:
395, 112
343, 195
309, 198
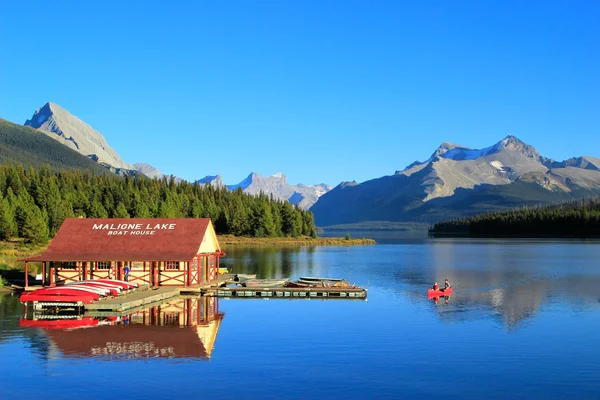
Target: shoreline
230, 240
12, 250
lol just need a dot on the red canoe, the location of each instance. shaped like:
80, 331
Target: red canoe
87, 298
435, 293
59, 323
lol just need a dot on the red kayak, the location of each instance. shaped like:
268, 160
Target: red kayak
439, 292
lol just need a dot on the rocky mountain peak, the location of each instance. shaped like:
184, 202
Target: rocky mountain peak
212, 180
513, 143
66, 128
444, 148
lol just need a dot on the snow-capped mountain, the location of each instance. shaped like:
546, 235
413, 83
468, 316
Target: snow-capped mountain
59, 124
457, 180
453, 166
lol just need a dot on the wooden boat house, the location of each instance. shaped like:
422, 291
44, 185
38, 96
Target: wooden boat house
158, 251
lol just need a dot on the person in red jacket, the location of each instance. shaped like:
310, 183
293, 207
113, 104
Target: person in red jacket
436, 286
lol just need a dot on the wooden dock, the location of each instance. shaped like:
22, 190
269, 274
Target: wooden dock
278, 292
137, 299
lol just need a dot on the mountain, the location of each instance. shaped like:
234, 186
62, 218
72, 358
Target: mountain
215, 181
302, 195
457, 181
148, 170
62, 126
152, 172
28, 146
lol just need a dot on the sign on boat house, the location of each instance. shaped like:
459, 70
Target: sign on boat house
158, 251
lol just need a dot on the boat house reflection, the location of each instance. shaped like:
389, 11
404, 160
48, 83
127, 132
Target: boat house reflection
178, 328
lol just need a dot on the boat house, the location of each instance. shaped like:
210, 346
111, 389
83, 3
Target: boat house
157, 251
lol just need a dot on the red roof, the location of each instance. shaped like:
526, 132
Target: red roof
126, 239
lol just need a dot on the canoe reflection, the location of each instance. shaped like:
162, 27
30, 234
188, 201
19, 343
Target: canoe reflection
436, 299
178, 328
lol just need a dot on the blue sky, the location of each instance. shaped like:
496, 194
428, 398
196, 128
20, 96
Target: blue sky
324, 90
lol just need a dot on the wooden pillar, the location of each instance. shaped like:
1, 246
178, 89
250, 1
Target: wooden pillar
188, 275
26, 274
85, 275
155, 267
185, 274
43, 272
52, 275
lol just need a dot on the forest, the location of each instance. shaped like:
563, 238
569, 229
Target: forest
575, 218
35, 202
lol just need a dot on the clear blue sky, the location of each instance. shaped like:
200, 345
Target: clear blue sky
324, 90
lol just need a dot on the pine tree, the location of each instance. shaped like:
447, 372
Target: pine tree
121, 211
35, 228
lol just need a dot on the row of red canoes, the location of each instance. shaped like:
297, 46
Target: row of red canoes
79, 292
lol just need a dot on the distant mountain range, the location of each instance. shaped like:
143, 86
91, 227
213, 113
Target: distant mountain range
454, 181
276, 185
60, 125
457, 181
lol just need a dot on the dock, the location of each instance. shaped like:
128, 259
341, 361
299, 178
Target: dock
136, 299
221, 287
278, 292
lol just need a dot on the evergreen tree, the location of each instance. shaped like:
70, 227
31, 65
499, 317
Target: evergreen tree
35, 228
121, 211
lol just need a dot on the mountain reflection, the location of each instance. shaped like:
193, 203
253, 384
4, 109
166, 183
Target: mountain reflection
509, 295
178, 328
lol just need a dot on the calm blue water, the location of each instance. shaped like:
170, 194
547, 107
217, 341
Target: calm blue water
522, 323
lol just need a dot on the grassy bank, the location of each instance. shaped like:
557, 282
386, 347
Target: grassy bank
230, 240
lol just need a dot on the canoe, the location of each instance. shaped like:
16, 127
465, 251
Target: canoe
316, 279
124, 284
99, 291
435, 293
81, 297
102, 283
324, 283
65, 291
113, 291
84, 322
265, 282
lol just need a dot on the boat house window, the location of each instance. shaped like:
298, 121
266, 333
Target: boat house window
137, 265
69, 265
171, 265
103, 265
171, 318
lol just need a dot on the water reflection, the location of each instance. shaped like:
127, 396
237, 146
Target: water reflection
178, 328
269, 262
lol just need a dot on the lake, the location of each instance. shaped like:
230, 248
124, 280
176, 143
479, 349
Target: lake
522, 323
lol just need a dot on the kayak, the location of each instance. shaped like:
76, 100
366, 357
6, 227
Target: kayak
434, 293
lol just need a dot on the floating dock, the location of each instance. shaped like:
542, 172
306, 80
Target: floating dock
133, 300
279, 292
